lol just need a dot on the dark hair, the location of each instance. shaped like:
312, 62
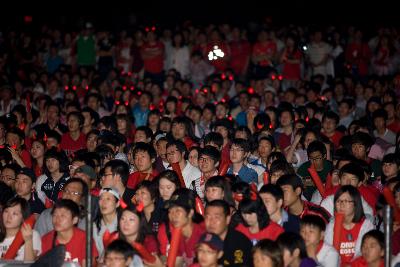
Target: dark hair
58, 155
313, 220
377, 235
380, 113
248, 206
104, 152
292, 241
149, 186
290, 179
281, 165
120, 168
222, 183
242, 143
212, 152
220, 204
272, 189
315, 146
170, 176
391, 158
353, 169
77, 115
363, 139
144, 228
85, 189
122, 247
188, 123
356, 196
215, 138
331, 115
67, 204
25, 210
144, 147
180, 146
147, 131
270, 249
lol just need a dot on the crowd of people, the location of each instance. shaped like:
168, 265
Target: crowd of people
206, 146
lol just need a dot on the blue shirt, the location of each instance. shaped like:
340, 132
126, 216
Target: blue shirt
140, 115
246, 174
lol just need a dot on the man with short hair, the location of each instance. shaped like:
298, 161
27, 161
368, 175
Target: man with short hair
239, 152
237, 247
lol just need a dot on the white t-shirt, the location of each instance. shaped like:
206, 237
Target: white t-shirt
190, 173
328, 204
328, 256
37, 246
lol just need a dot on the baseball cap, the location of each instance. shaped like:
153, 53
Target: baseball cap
28, 172
110, 190
212, 240
89, 171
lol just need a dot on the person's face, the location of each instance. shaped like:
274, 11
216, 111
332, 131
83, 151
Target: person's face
215, 220
93, 103
53, 165
174, 155
270, 203
52, 113
317, 159
142, 161
207, 115
166, 188
344, 110
213, 193
8, 177
379, 123
237, 154
121, 125
23, 185
221, 111
108, 179
250, 218
62, 220
309, 138
153, 120
161, 147
311, 234
165, 126
349, 179
129, 223
329, 125
223, 131
144, 101
178, 216
264, 149
243, 100
13, 140
91, 142
276, 175
12, 217
358, 151
194, 158
140, 136
115, 259
206, 164
261, 260
87, 119
371, 250
74, 192
290, 196
345, 205
73, 124
143, 195
178, 131
195, 116
206, 255
108, 203
285, 119
390, 169
37, 150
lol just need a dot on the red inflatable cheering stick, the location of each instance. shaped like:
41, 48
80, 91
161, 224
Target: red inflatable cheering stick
317, 181
144, 254
18, 240
337, 230
199, 206
392, 202
109, 237
177, 169
266, 177
173, 250
223, 168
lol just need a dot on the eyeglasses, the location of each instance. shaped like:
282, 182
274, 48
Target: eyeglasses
316, 158
73, 193
344, 201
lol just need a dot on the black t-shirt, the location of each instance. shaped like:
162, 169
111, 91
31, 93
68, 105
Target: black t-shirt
128, 195
237, 250
35, 204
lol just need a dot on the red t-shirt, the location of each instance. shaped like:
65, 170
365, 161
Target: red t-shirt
240, 52
335, 138
135, 178
75, 249
268, 48
26, 158
394, 126
361, 262
291, 71
151, 244
154, 64
272, 231
186, 245
348, 239
70, 145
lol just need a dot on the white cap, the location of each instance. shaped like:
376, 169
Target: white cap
111, 191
